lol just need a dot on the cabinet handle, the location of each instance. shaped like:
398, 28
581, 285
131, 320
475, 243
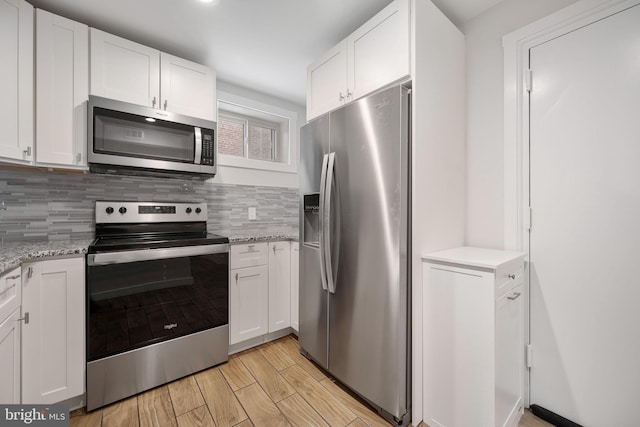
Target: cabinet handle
349, 94
274, 249
341, 97
27, 152
25, 318
511, 276
236, 278
29, 272
153, 102
165, 104
515, 296
13, 277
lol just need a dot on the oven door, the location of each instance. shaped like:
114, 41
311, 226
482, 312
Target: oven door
138, 298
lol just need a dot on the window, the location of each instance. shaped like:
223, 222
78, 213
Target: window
248, 137
256, 135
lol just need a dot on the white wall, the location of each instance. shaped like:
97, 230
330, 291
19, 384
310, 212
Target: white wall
244, 176
485, 142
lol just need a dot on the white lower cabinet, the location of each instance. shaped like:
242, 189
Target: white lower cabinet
248, 292
295, 285
279, 285
473, 324
10, 300
260, 289
53, 340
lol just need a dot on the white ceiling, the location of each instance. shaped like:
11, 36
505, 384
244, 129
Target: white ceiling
264, 45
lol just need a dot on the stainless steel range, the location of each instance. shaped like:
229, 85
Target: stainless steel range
157, 297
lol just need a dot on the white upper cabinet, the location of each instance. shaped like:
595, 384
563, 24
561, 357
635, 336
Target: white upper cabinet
376, 54
327, 81
187, 88
16, 81
131, 72
124, 70
62, 82
379, 51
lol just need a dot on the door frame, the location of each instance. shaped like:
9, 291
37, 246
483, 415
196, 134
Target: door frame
516, 47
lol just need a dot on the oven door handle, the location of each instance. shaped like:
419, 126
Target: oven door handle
153, 254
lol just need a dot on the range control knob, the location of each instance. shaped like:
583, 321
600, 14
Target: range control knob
198, 210
109, 210
122, 210
188, 210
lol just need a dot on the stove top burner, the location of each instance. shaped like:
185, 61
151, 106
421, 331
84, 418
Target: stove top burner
151, 225
125, 243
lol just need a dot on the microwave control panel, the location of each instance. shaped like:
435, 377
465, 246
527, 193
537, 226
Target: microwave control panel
207, 147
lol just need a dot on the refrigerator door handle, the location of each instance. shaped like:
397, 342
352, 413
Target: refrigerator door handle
323, 188
327, 224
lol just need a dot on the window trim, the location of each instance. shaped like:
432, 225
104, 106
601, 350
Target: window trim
291, 166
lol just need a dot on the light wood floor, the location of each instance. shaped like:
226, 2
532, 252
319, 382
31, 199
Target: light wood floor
271, 385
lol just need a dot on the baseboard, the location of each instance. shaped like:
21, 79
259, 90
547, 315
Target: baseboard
254, 342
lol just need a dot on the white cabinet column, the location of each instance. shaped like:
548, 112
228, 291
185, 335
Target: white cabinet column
295, 285
10, 300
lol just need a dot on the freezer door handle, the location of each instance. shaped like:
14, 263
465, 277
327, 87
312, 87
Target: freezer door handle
327, 225
323, 181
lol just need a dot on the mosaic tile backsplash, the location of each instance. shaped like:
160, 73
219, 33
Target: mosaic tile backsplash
36, 205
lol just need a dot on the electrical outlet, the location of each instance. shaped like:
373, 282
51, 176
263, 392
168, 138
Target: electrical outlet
252, 213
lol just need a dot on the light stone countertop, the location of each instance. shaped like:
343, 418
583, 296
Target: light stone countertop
14, 254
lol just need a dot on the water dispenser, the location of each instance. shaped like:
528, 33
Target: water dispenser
311, 231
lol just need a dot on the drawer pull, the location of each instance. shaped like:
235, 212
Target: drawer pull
13, 277
515, 296
511, 276
236, 278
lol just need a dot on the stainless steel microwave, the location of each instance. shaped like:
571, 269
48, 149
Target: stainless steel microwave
134, 139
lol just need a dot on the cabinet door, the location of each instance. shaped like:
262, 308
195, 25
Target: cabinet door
248, 303
279, 285
327, 82
509, 355
295, 280
124, 70
10, 293
16, 80
53, 351
62, 81
10, 359
187, 88
379, 52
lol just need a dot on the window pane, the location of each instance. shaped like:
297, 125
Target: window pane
261, 142
230, 137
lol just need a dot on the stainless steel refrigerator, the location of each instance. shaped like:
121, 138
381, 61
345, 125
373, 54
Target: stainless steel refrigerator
355, 253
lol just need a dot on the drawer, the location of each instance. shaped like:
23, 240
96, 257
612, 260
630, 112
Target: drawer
10, 293
249, 255
508, 276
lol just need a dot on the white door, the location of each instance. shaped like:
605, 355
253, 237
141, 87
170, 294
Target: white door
124, 70
585, 238
62, 82
327, 81
10, 359
187, 88
53, 351
279, 285
378, 52
248, 303
295, 285
16, 80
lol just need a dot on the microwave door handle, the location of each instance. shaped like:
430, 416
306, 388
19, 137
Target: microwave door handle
198, 141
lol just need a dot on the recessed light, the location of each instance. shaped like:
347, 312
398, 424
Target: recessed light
150, 119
